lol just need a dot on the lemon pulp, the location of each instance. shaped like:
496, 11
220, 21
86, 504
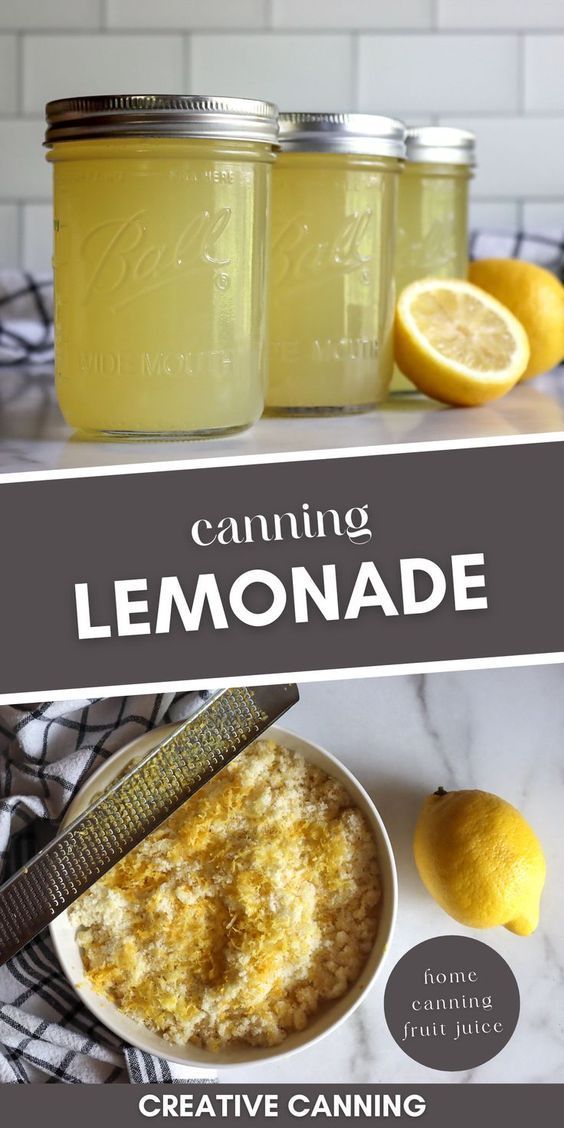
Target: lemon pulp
457, 343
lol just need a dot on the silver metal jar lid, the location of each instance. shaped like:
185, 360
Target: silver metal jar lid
161, 115
441, 144
342, 133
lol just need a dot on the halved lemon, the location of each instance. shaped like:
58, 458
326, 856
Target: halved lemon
457, 343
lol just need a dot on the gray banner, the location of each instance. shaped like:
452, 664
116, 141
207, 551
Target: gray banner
439, 1106
389, 512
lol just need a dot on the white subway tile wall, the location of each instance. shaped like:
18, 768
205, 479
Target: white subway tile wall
525, 15
9, 234
518, 157
544, 73
187, 14
8, 73
458, 73
291, 70
39, 15
360, 15
493, 65
56, 65
494, 214
543, 215
25, 172
36, 237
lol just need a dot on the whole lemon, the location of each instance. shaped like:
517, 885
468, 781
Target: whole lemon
535, 297
480, 860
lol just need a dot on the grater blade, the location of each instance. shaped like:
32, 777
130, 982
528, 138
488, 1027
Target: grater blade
133, 806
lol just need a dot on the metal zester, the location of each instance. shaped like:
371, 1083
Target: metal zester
133, 806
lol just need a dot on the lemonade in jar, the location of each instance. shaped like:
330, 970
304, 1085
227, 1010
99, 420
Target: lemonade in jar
331, 290
432, 235
160, 254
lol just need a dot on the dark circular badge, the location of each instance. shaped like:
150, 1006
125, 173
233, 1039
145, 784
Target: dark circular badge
452, 1003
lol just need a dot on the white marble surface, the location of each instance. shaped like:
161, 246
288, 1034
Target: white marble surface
33, 435
499, 730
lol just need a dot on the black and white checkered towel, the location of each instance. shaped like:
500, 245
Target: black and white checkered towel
46, 753
26, 318
546, 248
26, 301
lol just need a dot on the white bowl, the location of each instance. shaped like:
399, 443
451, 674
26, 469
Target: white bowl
328, 1018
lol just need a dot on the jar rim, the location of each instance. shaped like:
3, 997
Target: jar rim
370, 134
161, 115
441, 144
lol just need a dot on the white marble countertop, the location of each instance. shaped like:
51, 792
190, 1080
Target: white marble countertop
33, 435
498, 730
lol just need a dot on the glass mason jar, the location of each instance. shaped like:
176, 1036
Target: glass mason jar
331, 296
432, 236
161, 246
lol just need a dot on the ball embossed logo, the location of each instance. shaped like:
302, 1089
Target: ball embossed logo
300, 258
125, 261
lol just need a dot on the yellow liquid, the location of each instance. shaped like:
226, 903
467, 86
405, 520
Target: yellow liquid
160, 273
331, 296
432, 236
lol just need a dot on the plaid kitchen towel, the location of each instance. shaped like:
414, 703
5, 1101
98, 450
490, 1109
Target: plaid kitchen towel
545, 248
46, 753
26, 300
26, 318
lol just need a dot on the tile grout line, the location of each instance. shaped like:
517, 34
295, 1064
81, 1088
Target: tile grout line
521, 74
187, 61
15, 201
20, 73
304, 32
355, 70
20, 233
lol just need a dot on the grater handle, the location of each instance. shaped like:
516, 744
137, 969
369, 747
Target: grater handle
72, 862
